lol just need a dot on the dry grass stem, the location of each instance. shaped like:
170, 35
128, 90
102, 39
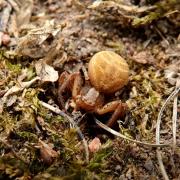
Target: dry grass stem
172, 95
72, 122
126, 138
174, 120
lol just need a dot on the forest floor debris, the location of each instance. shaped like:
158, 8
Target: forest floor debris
41, 39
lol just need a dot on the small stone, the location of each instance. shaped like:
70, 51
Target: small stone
118, 168
143, 57
94, 145
149, 165
5, 39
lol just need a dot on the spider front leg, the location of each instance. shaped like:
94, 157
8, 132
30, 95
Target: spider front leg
118, 107
72, 82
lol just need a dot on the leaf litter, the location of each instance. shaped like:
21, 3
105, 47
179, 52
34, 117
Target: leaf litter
38, 40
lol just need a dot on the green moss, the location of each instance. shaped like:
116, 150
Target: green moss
13, 168
27, 136
162, 8
146, 19
15, 68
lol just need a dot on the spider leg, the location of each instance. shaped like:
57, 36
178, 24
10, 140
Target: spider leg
77, 85
117, 106
63, 83
68, 82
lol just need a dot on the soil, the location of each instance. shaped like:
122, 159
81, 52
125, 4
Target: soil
38, 143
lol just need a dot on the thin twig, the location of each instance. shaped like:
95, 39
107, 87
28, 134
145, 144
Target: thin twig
172, 95
161, 165
162, 36
174, 117
162, 168
174, 121
58, 111
127, 138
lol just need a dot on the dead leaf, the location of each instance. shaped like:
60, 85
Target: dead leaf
46, 152
172, 73
11, 100
143, 57
15, 89
94, 145
41, 122
13, 28
24, 12
1, 37
38, 41
4, 15
46, 72
5, 38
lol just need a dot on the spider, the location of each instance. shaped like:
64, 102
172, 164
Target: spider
108, 72
88, 98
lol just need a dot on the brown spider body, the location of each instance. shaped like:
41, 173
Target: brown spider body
89, 101
90, 95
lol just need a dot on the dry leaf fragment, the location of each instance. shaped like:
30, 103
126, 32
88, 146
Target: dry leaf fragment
46, 152
122, 12
38, 41
94, 145
4, 15
12, 99
1, 37
5, 39
24, 12
46, 72
15, 89
143, 57
172, 73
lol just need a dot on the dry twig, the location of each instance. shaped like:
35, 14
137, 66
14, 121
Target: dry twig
58, 111
127, 138
172, 95
174, 118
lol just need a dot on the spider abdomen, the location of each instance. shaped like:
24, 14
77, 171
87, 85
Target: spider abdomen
108, 72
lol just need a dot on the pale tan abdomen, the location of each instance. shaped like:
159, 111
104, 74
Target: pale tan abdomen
108, 72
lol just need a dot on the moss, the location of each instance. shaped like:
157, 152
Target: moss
162, 8
15, 68
13, 168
